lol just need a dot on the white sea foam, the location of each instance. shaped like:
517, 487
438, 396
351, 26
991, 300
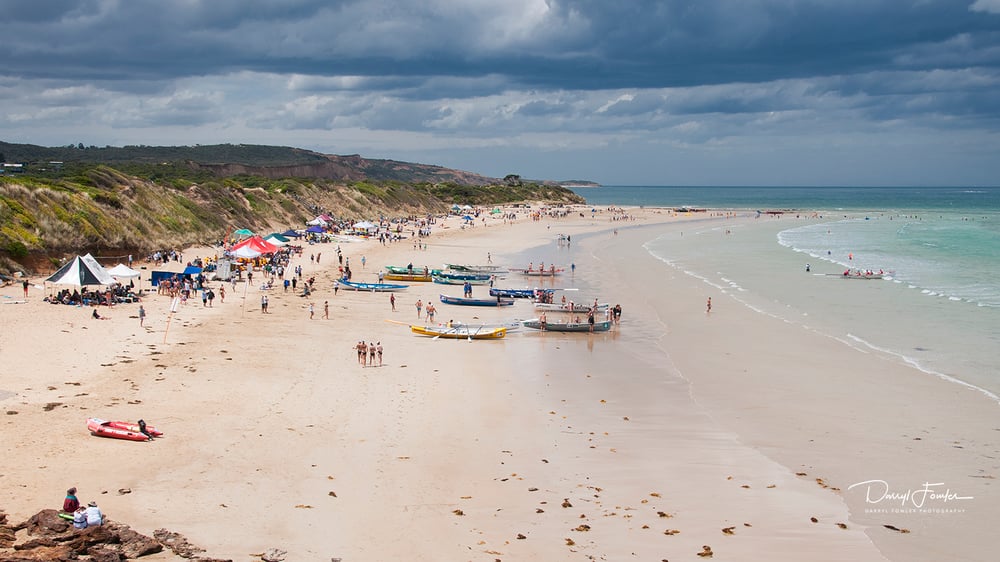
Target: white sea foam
916, 364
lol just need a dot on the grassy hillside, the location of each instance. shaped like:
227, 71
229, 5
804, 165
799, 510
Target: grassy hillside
138, 206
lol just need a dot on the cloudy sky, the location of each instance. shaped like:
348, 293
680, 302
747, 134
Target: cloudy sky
623, 92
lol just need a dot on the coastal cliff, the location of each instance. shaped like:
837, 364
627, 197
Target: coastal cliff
132, 201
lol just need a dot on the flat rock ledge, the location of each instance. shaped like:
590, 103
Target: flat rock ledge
47, 537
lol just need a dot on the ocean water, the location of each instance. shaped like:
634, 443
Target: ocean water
938, 308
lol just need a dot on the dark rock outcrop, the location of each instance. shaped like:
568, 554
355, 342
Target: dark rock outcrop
53, 539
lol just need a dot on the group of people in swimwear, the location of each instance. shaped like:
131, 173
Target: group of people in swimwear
368, 352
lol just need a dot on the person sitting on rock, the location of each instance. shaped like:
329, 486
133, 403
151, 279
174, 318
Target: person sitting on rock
94, 515
80, 518
71, 504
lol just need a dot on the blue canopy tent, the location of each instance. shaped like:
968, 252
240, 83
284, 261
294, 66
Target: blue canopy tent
291, 234
191, 270
315, 229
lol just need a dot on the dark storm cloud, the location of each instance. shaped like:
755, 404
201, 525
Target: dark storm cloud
451, 75
588, 44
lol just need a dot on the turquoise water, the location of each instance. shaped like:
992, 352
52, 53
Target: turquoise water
804, 198
938, 309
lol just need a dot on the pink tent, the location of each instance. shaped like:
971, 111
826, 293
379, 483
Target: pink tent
256, 243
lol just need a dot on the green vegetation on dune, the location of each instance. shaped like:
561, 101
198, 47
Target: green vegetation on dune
139, 206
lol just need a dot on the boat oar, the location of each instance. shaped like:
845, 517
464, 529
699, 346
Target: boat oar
448, 331
477, 332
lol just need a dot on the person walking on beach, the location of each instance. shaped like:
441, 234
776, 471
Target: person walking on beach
142, 315
312, 311
378, 351
263, 304
326, 310
25, 284
222, 293
371, 354
392, 301
360, 348
708, 305
420, 306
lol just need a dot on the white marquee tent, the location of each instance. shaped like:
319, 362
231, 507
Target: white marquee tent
80, 272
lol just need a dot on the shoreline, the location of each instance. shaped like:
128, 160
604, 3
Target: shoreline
372, 463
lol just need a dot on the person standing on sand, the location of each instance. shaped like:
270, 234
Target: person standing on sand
360, 348
392, 301
326, 310
312, 311
222, 293
371, 354
142, 315
26, 284
708, 305
378, 351
420, 306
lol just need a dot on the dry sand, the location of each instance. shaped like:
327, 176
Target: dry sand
536, 447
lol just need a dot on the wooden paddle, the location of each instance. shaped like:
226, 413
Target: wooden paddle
448, 331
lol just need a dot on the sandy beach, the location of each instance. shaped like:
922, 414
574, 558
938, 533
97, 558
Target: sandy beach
676, 431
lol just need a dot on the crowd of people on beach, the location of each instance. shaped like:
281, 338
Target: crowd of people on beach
115, 294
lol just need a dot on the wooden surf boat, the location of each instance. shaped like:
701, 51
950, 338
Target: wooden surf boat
468, 301
460, 332
567, 326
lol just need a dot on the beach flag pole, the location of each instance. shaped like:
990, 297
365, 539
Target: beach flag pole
170, 315
246, 284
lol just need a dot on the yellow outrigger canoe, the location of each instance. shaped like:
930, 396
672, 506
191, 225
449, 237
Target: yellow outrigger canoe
460, 332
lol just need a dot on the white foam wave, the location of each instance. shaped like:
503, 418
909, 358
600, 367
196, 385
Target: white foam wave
916, 364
